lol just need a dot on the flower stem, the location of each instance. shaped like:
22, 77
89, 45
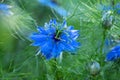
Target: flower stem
57, 72
103, 40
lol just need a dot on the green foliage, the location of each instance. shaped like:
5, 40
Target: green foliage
17, 56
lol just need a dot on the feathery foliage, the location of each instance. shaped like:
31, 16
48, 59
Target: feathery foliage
99, 25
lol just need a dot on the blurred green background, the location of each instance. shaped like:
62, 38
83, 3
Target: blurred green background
17, 56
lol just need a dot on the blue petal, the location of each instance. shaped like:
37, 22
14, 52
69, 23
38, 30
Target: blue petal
38, 43
75, 44
70, 28
48, 3
56, 50
64, 36
53, 22
69, 40
113, 54
118, 11
64, 25
55, 6
117, 5
68, 44
42, 30
67, 47
39, 40
61, 45
116, 49
108, 42
51, 30
4, 7
74, 34
46, 49
39, 37
106, 8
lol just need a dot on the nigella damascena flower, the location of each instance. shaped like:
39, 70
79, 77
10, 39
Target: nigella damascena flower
5, 9
54, 38
117, 7
113, 54
53, 5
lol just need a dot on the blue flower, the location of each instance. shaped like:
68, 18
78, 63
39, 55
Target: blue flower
110, 41
107, 8
5, 9
54, 38
115, 8
53, 5
113, 54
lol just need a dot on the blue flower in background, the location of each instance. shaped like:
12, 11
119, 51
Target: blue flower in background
113, 54
108, 42
5, 9
54, 38
107, 8
53, 5
111, 8
117, 7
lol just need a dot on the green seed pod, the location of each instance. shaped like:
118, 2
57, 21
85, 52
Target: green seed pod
107, 19
94, 68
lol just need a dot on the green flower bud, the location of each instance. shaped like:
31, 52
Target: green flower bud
94, 68
107, 19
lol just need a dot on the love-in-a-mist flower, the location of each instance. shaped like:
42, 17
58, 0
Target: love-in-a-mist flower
54, 38
114, 54
5, 9
53, 5
117, 7
114, 8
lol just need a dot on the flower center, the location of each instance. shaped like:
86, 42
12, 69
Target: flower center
57, 35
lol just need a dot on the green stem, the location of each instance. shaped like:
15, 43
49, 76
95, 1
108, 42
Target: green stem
57, 76
103, 40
